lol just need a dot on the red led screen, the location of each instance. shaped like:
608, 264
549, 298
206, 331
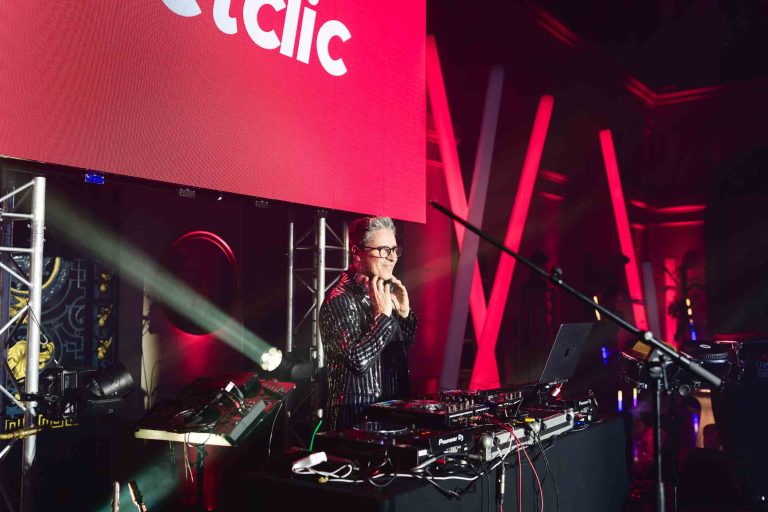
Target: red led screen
307, 101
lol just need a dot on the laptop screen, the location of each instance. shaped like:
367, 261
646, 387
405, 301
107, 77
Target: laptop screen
564, 356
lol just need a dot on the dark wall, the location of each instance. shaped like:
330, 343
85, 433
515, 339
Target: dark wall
737, 248
672, 143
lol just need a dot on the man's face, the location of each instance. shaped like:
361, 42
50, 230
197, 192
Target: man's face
371, 264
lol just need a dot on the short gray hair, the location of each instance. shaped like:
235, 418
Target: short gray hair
361, 230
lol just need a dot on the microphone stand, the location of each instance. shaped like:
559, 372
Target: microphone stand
660, 357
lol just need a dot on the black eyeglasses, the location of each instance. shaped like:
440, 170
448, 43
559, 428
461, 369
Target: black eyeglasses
384, 251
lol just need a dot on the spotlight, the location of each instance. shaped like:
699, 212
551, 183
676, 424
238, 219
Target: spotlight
271, 359
105, 390
220, 196
275, 364
69, 393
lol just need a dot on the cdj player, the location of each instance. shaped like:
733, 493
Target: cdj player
373, 443
451, 410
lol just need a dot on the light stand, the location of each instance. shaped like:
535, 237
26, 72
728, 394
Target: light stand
661, 356
658, 372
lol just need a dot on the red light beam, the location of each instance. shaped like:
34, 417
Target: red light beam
456, 194
485, 373
622, 225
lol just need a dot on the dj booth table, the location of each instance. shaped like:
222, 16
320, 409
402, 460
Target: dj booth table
590, 467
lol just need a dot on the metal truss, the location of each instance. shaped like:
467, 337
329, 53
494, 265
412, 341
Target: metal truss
31, 310
312, 279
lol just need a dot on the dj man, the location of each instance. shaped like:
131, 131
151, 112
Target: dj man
367, 326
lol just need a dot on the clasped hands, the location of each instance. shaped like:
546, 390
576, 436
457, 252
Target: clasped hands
388, 295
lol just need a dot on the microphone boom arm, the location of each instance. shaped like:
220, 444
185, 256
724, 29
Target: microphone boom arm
556, 278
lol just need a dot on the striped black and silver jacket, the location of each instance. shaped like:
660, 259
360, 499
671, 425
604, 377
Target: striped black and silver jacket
366, 359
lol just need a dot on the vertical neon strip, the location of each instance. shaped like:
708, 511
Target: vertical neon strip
622, 225
670, 323
485, 373
456, 194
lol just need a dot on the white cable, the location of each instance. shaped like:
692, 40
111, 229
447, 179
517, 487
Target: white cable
331, 475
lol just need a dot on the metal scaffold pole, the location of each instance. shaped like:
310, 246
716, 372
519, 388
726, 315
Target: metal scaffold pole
33, 336
319, 289
291, 264
32, 311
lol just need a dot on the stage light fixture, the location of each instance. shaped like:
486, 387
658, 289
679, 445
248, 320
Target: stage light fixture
70, 393
275, 364
105, 390
271, 359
